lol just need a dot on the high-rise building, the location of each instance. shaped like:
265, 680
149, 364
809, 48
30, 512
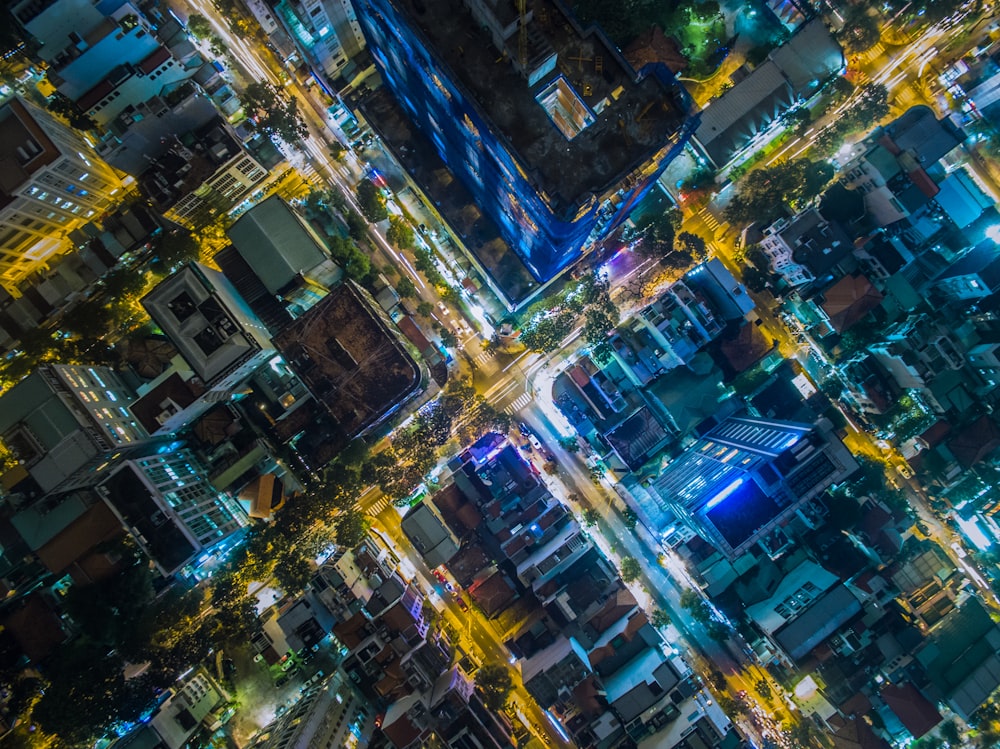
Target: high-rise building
330, 714
326, 31
551, 130
744, 478
61, 416
51, 182
163, 497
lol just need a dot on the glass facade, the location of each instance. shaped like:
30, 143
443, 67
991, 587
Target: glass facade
546, 237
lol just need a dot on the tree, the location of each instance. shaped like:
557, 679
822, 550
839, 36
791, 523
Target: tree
763, 687
660, 618
657, 239
400, 233
272, 113
199, 26
951, 733
630, 569
799, 120
425, 309
569, 444
860, 32
62, 106
690, 599
494, 683
370, 201
630, 519
591, 516
337, 151
405, 288
87, 692
692, 244
109, 612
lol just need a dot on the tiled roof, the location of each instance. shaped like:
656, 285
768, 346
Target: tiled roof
849, 300
914, 710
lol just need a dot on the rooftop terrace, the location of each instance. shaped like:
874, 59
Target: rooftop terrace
602, 125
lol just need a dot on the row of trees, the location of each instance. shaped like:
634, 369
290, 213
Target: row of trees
460, 413
547, 322
870, 104
765, 192
271, 112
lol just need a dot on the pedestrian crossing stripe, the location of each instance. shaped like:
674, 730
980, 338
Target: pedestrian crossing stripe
378, 507
708, 218
523, 400
485, 357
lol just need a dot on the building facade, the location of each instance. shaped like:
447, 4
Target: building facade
60, 417
553, 162
330, 714
326, 31
51, 182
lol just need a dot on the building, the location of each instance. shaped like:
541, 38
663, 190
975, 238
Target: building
218, 336
975, 275
345, 351
557, 141
743, 479
61, 416
332, 713
961, 659
791, 74
277, 262
206, 170
429, 535
326, 32
805, 248
51, 182
806, 607
164, 499
188, 707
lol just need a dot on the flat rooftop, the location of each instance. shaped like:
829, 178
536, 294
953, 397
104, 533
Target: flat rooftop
349, 359
630, 121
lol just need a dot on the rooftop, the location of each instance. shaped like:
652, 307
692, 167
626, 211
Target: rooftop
276, 243
349, 359
629, 121
24, 148
849, 300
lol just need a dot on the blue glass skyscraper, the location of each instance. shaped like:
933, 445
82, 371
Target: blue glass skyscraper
548, 126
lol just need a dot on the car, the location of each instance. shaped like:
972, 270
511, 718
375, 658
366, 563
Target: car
422, 228
535, 442
905, 471
288, 665
281, 682
461, 603
524, 429
444, 309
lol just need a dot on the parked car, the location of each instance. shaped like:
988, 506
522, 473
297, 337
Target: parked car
462, 604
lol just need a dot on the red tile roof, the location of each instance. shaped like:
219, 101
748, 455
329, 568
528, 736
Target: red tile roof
911, 707
154, 60
746, 348
975, 441
849, 300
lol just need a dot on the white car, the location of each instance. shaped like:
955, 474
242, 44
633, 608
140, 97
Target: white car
905, 471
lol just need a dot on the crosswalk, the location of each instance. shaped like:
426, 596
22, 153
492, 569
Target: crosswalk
522, 400
485, 357
710, 221
379, 507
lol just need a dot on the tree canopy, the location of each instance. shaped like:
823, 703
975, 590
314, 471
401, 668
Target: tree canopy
495, 684
764, 193
273, 113
371, 202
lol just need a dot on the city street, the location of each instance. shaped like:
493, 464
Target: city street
517, 384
